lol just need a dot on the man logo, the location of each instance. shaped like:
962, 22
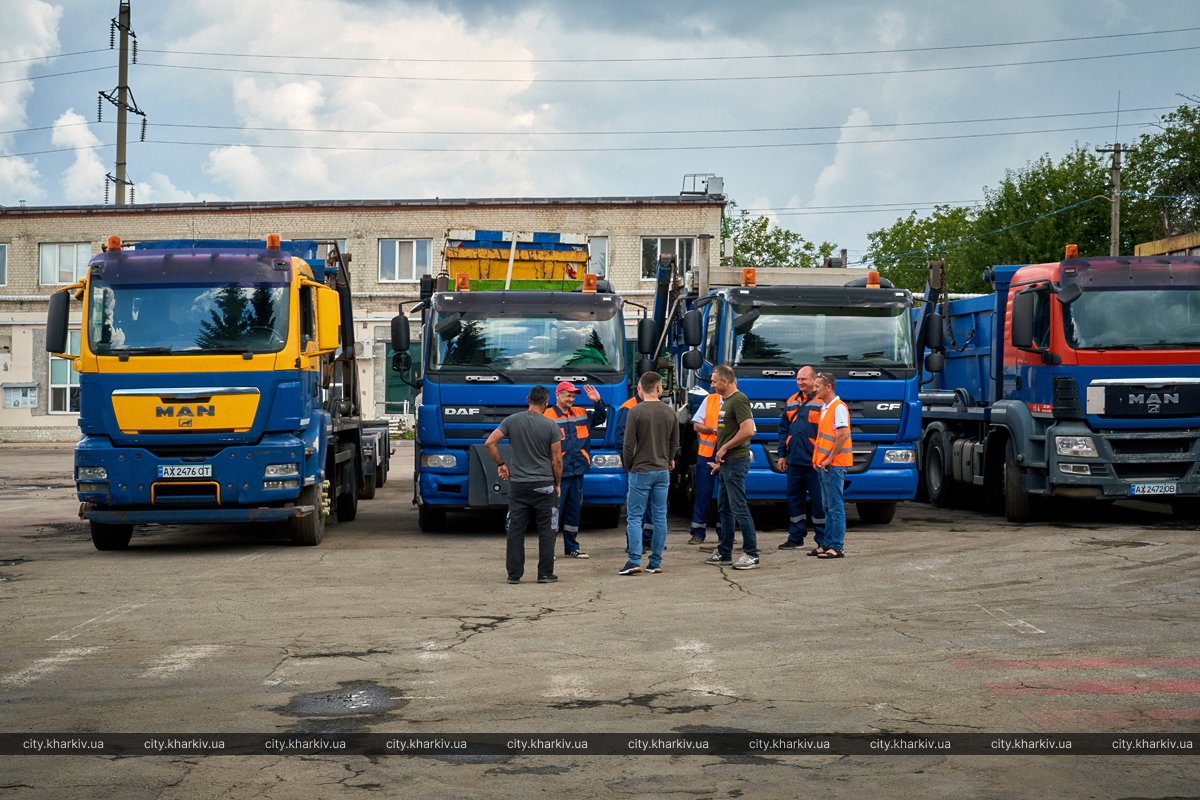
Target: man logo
185, 422
185, 411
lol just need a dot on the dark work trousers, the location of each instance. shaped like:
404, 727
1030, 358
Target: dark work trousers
526, 501
804, 484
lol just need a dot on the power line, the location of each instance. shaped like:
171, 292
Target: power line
789, 129
667, 59
56, 55
54, 75
690, 79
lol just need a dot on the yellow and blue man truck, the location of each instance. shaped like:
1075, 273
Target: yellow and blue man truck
217, 384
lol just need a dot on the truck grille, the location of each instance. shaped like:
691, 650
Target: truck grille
1170, 471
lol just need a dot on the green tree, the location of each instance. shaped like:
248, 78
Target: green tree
760, 243
592, 352
1161, 180
226, 321
902, 252
471, 348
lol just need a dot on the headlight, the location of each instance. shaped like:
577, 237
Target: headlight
439, 460
93, 474
281, 470
899, 456
606, 460
1075, 446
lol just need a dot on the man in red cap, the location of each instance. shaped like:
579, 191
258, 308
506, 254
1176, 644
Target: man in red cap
576, 429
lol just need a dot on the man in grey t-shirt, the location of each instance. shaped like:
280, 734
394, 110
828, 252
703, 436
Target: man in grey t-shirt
535, 476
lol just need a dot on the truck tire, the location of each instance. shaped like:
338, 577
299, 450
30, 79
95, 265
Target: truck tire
106, 536
347, 503
381, 473
876, 513
309, 530
1018, 505
431, 519
933, 474
366, 490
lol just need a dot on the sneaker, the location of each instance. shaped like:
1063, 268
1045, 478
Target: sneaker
790, 545
577, 554
630, 568
655, 570
514, 580
746, 562
547, 578
718, 561
696, 539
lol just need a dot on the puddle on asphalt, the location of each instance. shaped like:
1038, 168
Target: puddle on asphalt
1114, 543
351, 699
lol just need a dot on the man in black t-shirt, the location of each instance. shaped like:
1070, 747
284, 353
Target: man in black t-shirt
731, 462
536, 479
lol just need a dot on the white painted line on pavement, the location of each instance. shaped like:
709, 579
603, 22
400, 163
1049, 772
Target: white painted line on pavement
1011, 621
107, 616
44, 666
701, 669
180, 659
431, 651
231, 564
568, 686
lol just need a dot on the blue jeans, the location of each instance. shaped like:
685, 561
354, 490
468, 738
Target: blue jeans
732, 505
705, 483
570, 504
804, 483
832, 481
647, 488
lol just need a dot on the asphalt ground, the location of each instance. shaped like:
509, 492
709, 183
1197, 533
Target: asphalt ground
944, 621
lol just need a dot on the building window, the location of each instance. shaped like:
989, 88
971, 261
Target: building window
652, 248
64, 380
63, 263
598, 256
3, 265
403, 259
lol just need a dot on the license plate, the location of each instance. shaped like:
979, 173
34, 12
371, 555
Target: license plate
1151, 488
185, 471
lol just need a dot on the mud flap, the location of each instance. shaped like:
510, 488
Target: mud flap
485, 487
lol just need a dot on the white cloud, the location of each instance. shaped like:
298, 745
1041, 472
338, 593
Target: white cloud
31, 33
240, 169
83, 181
19, 180
159, 188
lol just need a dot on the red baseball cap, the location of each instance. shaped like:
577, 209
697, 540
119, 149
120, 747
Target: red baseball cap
566, 386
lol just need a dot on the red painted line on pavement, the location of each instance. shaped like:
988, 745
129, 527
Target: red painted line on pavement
1070, 718
969, 664
1099, 687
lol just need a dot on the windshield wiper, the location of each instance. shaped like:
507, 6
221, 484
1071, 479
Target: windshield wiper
138, 351
472, 368
587, 373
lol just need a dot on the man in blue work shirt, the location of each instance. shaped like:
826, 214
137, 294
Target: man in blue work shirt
576, 430
797, 433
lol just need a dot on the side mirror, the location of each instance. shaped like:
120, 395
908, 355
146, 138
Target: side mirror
57, 318
400, 336
693, 328
692, 359
934, 333
1069, 294
1022, 320
935, 362
645, 365
329, 319
647, 333
742, 323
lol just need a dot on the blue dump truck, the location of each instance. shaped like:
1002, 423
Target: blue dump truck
217, 384
1072, 379
483, 347
766, 324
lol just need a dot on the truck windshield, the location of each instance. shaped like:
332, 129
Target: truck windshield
1132, 319
528, 343
187, 318
831, 337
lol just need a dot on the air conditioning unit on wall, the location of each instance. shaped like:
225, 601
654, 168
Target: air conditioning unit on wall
364, 348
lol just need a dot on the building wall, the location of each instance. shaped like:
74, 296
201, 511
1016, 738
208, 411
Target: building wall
625, 221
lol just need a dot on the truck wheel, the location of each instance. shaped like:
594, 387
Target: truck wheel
366, 490
430, 519
308, 530
933, 475
381, 473
347, 504
106, 536
876, 513
1018, 505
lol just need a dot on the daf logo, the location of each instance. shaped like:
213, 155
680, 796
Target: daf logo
460, 412
759, 405
185, 411
1154, 402
886, 406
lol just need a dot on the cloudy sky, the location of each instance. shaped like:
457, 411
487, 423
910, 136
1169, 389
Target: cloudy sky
833, 118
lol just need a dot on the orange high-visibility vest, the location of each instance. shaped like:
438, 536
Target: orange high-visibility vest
827, 435
579, 416
712, 414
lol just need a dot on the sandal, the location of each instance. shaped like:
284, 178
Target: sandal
831, 553
816, 551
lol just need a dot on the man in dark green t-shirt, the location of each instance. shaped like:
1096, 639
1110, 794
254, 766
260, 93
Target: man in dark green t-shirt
731, 462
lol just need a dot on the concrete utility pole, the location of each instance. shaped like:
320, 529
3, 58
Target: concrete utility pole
1114, 242
122, 98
